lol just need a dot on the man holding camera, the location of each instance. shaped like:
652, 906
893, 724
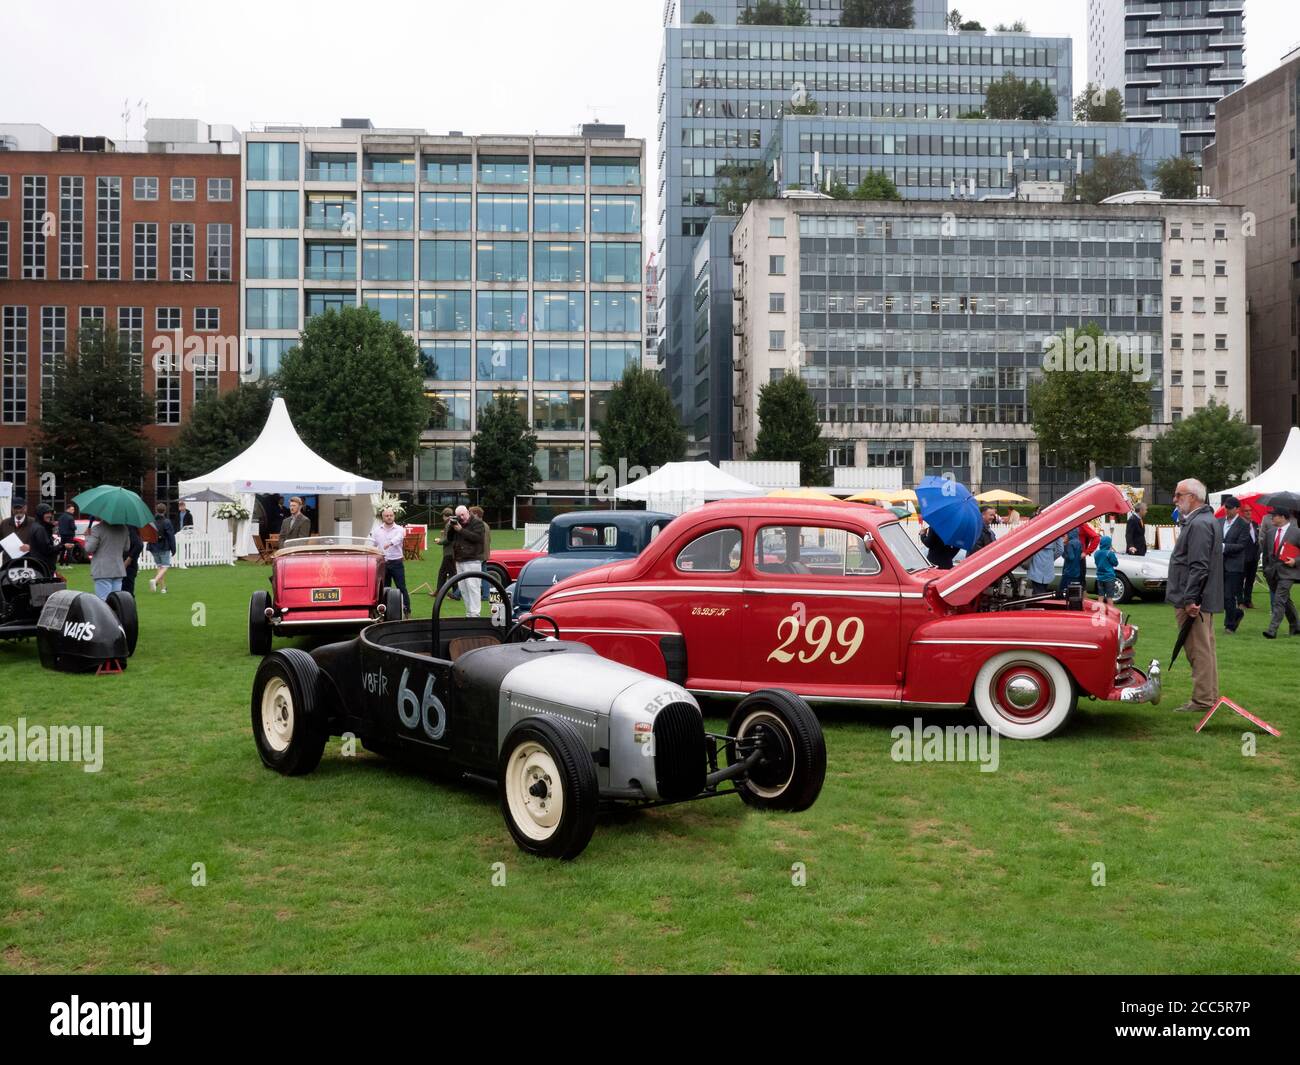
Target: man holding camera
467, 550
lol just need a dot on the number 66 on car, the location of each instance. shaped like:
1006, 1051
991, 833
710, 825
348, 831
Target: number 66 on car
835, 601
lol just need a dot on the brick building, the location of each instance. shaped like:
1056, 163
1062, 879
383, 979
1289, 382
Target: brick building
142, 237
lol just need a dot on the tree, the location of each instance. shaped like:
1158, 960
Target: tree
703, 18
876, 185
1010, 97
972, 25
221, 427
505, 452
954, 20
795, 15
740, 183
641, 427
1214, 446
92, 420
1097, 105
1016, 27
878, 14
765, 13
1176, 178
1110, 175
789, 430
1083, 412
355, 389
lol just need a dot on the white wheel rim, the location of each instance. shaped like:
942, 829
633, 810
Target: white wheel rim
531, 772
277, 715
771, 720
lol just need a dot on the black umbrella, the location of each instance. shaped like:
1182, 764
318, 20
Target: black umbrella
1183, 633
1282, 501
206, 496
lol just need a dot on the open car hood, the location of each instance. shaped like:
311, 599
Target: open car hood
966, 581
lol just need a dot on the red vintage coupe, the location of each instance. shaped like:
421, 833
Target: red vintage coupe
836, 602
323, 585
506, 565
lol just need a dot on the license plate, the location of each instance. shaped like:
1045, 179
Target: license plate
326, 595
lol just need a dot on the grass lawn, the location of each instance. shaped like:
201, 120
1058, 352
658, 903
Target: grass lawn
365, 866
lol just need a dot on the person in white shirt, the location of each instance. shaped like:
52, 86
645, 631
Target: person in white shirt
388, 536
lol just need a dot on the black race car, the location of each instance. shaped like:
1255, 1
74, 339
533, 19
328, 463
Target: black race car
558, 730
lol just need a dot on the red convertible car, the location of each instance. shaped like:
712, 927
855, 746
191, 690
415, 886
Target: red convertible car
322, 585
835, 601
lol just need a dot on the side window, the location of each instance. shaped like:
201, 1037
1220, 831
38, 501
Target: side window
593, 536
715, 552
803, 549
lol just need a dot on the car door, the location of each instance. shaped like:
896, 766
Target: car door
821, 613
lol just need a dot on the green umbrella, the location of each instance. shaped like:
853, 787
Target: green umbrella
117, 506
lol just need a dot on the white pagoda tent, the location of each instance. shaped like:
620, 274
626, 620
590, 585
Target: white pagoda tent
1282, 476
680, 486
279, 462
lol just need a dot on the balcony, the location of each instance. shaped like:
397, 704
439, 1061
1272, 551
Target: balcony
1225, 74
1142, 116
1185, 59
1141, 44
331, 273
1185, 26
346, 174
1229, 40
1142, 11
390, 175
330, 223
1177, 93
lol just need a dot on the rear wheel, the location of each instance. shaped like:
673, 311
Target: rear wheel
793, 768
123, 605
499, 572
392, 600
1124, 592
546, 780
1025, 695
290, 737
259, 625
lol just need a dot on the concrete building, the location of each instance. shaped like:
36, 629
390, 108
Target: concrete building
920, 325
650, 358
723, 89
515, 262
1253, 162
711, 339
141, 237
1172, 61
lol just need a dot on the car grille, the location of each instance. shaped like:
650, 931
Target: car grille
679, 751
1124, 659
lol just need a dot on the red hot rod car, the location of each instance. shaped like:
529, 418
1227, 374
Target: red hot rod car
323, 585
836, 602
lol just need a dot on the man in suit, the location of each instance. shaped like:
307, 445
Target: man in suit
297, 526
1135, 531
1238, 547
1195, 590
1252, 563
1280, 575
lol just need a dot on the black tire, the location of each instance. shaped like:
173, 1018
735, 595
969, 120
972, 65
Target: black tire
499, 572
123, 605
792, 777
534, 749
259, 625
286, 685
392, 600
1124, 591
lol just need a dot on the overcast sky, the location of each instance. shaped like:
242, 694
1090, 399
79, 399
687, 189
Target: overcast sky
490, 66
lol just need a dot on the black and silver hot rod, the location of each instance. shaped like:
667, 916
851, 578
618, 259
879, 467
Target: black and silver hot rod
557, 729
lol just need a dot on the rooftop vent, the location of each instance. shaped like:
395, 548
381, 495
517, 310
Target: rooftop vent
603, 129
356, 123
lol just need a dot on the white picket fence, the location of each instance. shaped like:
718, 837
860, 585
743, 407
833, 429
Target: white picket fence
194, 548
533, 530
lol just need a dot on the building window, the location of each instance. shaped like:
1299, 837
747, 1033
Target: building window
108, 228
183, 189
503, 360
4, 186
559, 312
560, 462
54, 343
556, 261
4, 248
207, 319
388, 211
558, 360
1220, 341
144, 188
776, 227
443, 462
559, 411
776, 265
387, 260
219, 249
616, 312
1175, 231
272, 161
13, 467
449, 411
276, 259
616, 214
167, 398
609, 361
503, 213
13, 366
167, 319
1220, 231
776, 302
1175, 378
1175, 267
279, 210
1175, 304
72, 206
449, 260
445, 360
624, 172
1220, 304
182, 251
33, 227
272, 308
1221, 378
393, 306
776, 340
448, 310
448, 170
1198, 267
1198, 306
130, 332
447, 212
559, 171
615, 263
146, 251
503, 170
220, 190
1220, 268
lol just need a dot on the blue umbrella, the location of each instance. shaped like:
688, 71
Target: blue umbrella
950, 510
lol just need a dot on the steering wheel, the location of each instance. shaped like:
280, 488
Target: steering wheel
23, 570
529, 624
451, 582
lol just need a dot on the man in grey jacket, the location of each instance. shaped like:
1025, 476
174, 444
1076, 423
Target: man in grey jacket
1196, 590
109, 546
1281, 533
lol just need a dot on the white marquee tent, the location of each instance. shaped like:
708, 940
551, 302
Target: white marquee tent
279, 462
680, 486
6, 497
1282, 476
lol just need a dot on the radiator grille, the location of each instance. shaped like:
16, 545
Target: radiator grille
679, 751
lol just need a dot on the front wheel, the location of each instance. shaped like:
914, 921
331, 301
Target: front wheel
791, 772
259, 625
123, 606
392, 601
546, 780
290, 738
1025, 695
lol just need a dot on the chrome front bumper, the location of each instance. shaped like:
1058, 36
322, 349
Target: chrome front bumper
1148, 691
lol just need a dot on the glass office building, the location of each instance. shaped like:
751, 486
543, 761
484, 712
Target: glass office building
516, 264
724, 89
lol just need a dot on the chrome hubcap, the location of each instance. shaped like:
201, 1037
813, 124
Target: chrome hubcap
1023, 691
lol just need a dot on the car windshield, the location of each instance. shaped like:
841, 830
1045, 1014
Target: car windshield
331, 543
904, 549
